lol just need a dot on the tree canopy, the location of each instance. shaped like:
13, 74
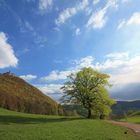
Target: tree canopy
88, 88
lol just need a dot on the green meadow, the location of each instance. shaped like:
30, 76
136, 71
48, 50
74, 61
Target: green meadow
21, 126
133, 118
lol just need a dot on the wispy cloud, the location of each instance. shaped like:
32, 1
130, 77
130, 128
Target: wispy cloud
45, 4
22, 51
62, 75
121, 24
56, 75
84, 62
96, 1
98, 19
77, 31
125, 1
7, 54
28, 77
133, 20
112, 61
50, 88
27, 27
69, 12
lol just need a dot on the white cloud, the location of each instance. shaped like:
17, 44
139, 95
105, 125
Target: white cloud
77, 32
121, 24
122, 68
45, 4
128, 73
57, 75
112, 62
117, 56
82, 5
50, 88
98, 19
133, 20
66, 14
28, 77
95, 2
69, 12
7, 55
62, 75
84, 62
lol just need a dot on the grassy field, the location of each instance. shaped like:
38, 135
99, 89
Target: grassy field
133, 118
20, 126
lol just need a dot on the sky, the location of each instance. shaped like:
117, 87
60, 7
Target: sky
43, 41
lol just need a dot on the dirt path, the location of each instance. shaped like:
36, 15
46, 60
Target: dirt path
134, 127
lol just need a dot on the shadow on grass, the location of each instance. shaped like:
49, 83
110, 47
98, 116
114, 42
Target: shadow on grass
5, 119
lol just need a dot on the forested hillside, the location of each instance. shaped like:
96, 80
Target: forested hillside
16, 94
125, 106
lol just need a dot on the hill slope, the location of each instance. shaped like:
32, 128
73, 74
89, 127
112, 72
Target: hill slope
18, 95
125, 106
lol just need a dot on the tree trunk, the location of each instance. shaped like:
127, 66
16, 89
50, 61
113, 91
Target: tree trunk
89, 113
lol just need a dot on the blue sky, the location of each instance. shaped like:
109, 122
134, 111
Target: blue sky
43, 41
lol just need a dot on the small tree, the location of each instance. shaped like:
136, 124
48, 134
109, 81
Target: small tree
88, 88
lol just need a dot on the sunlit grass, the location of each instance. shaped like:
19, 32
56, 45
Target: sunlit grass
20, 126
134, 119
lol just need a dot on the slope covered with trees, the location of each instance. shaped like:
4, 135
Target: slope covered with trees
16, 94
126, 106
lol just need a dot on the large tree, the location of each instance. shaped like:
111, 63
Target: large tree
88, 88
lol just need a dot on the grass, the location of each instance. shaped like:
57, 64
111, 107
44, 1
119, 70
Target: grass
20, 126
133, 119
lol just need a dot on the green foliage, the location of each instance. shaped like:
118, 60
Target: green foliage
89, 88
20, 126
